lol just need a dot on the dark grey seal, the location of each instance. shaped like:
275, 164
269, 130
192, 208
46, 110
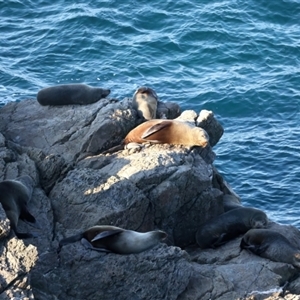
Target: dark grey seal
14, 197
271, 244
66, 94
229, 225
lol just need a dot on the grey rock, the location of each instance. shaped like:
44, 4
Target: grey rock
208, 122
160, 273
167, 110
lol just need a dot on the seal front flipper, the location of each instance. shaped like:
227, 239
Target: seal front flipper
71, 239
255, 249
25, 215
155, 128
21, 235
106, 234
221, 240
258, 250
88, 245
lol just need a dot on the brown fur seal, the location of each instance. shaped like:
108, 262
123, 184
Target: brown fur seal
229, 225
159, 131
70, 94
271, 244
117, 240
14, 197
145, 102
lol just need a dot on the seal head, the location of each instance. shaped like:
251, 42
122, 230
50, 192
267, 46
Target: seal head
145, 102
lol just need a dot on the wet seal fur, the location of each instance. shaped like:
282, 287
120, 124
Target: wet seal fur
108, 238
271, 244
229, 225
66, 94
14, 197
145, 102
159, 131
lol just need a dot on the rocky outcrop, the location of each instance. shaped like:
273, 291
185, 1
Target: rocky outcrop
172, 188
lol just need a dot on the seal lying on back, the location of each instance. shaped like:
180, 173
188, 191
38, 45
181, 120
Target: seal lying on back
160, 131
219, 230
271, 244
145, 102
115, 239
70, 94
14, 197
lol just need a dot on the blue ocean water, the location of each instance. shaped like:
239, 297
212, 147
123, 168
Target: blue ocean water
238, 58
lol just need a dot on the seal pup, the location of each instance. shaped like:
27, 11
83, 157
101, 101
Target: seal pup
160, 131
108, 238
229, 225
66, 94
271, 244
14, 197
145, 102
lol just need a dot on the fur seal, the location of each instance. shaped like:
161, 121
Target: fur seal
145, 102
219, 230
160, 131
15, 195
230, 202
70, 94
108, 238
271, 244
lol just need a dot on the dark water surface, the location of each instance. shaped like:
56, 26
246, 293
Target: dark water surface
240, 59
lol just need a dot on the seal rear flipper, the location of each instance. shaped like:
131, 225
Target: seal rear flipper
71, 239
155, 128
106, 234
88, 245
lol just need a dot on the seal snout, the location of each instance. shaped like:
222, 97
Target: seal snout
106, 92
162, 235
260, 223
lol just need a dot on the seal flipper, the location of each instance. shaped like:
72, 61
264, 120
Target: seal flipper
258, 250
25, 215
21, 235
106, 234
222, 239
71, 239
155, 128
88, 245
